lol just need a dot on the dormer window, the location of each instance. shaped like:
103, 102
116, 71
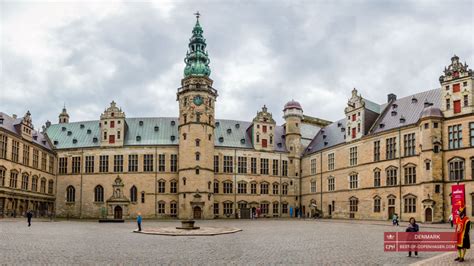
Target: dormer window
55, 142
89, 131
140, 123
414, 100
402, 119
229, 131
242, 141
394, 113
69, 133
74, 141
63, 128
157, 128
173, 122
138, 138
95, 140
221, 139
172, 138
81, 126
237, 125
217, 124
381, 125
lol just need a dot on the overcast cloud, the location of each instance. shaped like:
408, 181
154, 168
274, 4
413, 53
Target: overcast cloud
262, 52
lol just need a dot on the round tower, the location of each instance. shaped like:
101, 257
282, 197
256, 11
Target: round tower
196, 99
293, 115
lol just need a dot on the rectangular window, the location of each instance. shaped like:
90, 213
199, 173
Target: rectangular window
253, 188
457, 106
216, 163
377, 179
133, 162
275, 208
410, 175
161, 186
76, 164
112, 124
263, 166
2, 178
264, 208
331, 161
216, 208
456, 87
111, 139
174, 163
161, 208
228, 208
354, 117
263, 188
242, 188
43, 161
353, 205
242, 165
353, 156
377, 205
15, 150
391, 148
216, 187
448, 104
63, 165
103, 163
275, 167
3, 146
313, 186
284, 208
456, 170
26, 154
284, 189
173, 209
353, 181
13, 179
471, 135
51, 164
227, 187
392, 176
264, 143
276, 189
409, 144
253, 165
455, 136
331, 184
377, 151
161, 162
284, 168
118, 163
228, 164
313, 166
35, 158
466, 101
173, 187
89, 164
148, 163
410, 205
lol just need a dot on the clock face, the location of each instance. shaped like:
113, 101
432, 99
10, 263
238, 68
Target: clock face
198, 100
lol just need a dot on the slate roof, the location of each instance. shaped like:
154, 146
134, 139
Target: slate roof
374, 107
409, 107
227, 133
9, 125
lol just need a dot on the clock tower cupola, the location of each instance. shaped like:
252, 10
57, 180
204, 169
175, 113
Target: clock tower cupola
196, 99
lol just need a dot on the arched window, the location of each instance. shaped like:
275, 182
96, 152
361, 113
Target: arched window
99, 194
377, 181
161, 186
410, 203
264, 188
456, 169
198, 142
50, 187
13, 178
410, 174
184, 136
133, 194
43, 185
198, 156
353, 206
34, 184
70, 194
24, 181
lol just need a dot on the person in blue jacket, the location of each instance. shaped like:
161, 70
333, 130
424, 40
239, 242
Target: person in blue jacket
139, 222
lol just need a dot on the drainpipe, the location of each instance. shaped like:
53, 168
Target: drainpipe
400, 170
80, 170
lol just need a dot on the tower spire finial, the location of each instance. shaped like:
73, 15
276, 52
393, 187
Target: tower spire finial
197, 59
197, 14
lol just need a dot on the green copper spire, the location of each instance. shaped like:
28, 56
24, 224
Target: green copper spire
197, 60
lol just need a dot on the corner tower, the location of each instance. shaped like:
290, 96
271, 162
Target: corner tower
196, 99
293, 115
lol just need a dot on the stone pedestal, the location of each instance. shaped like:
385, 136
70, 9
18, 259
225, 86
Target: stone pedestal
188, 225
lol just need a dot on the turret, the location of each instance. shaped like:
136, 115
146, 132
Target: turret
64, 116
293, 115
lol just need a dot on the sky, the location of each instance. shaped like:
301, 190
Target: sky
86, 54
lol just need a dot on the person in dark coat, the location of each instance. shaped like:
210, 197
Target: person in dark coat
29, 215
412, 228
462, 234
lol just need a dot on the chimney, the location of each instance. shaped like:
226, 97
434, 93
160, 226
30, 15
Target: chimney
14, 116
391, 97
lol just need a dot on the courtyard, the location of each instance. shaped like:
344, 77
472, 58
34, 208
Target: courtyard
264, 241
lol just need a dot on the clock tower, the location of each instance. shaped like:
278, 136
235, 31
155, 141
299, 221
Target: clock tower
196, 99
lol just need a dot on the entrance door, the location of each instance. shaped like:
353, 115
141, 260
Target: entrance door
428, 215
118, 212
330, 209
391, 211
197, 212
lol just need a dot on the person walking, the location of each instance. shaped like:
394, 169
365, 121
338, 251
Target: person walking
395, 219
451, 219
139, 222
29, 215
412, 228
463, 226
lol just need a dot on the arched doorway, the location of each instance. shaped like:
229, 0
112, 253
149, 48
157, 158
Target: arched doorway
118, 212
428, 215
197, 212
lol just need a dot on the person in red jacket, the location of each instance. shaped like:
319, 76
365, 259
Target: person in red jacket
462, 234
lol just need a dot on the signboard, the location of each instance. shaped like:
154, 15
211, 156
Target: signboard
457, 199
419, 241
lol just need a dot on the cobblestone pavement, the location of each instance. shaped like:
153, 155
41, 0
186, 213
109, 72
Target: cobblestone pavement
263, 241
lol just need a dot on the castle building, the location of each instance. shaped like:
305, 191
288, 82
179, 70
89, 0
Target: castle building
396, 157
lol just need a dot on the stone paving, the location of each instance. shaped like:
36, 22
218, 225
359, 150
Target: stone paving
202, 231
263, 241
